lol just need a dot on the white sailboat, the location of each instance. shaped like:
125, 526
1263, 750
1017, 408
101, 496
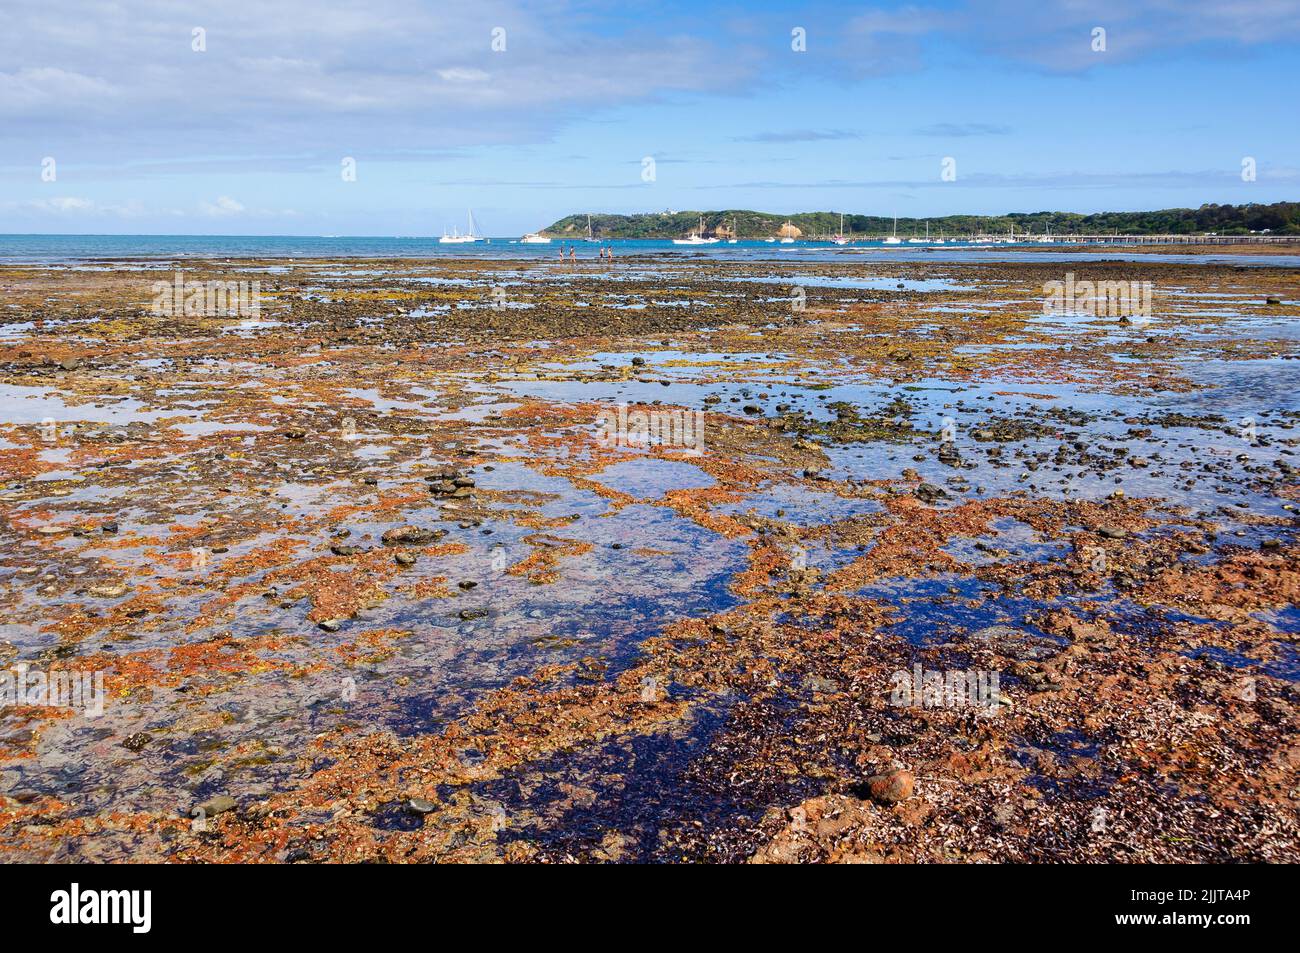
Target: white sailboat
535, 238
840, 239
590, 237
456, 238
696, 237
921, 241
892, 238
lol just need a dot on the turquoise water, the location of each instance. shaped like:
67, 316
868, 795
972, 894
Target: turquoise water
90, 248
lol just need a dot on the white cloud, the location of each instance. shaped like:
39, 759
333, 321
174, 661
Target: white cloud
460, 75
222, 207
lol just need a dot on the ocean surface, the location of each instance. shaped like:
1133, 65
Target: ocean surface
90, 249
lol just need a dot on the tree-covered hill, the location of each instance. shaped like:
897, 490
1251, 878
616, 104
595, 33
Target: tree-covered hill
1278, 218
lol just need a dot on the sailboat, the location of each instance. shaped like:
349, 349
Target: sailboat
840, 239
892, 238
734, 232
590, 237
535, 238
696, 237
456, 238
921, 241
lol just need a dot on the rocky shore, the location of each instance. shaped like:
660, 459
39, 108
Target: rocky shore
944, 576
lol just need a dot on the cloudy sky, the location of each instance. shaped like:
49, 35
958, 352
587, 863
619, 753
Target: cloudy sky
113, 121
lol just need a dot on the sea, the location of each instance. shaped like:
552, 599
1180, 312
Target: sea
92, 250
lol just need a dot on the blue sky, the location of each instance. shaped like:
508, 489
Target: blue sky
248, 135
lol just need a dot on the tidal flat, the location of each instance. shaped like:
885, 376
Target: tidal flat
366, 581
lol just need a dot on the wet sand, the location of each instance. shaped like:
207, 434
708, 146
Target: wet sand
365, 583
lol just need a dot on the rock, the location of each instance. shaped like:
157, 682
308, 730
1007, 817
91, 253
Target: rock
826, 686
892, 786
69, 363
295, 433
217, 805
137, 741
1271, 300
1270, 543
418, 805
410, 536
638, 361
331, 625
404, 559
109, 591
468, 614
339, 549
928, 493
1111, 532
109, 527
467, 584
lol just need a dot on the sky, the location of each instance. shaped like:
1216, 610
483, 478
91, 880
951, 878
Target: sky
395, 117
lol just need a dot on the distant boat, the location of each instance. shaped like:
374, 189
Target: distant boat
788, 232
840, 239
734, 232
456, 238
590, 237
534, 238
892, 238
696, 237
921, 241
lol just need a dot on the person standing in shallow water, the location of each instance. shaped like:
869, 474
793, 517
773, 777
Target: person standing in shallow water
573, 253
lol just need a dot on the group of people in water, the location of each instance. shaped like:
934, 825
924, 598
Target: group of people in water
606, 251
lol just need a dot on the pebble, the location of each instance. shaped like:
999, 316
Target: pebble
411, 536
892, 786
109, 591
217, 805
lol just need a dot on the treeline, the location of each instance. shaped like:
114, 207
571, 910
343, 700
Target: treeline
1278, 218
